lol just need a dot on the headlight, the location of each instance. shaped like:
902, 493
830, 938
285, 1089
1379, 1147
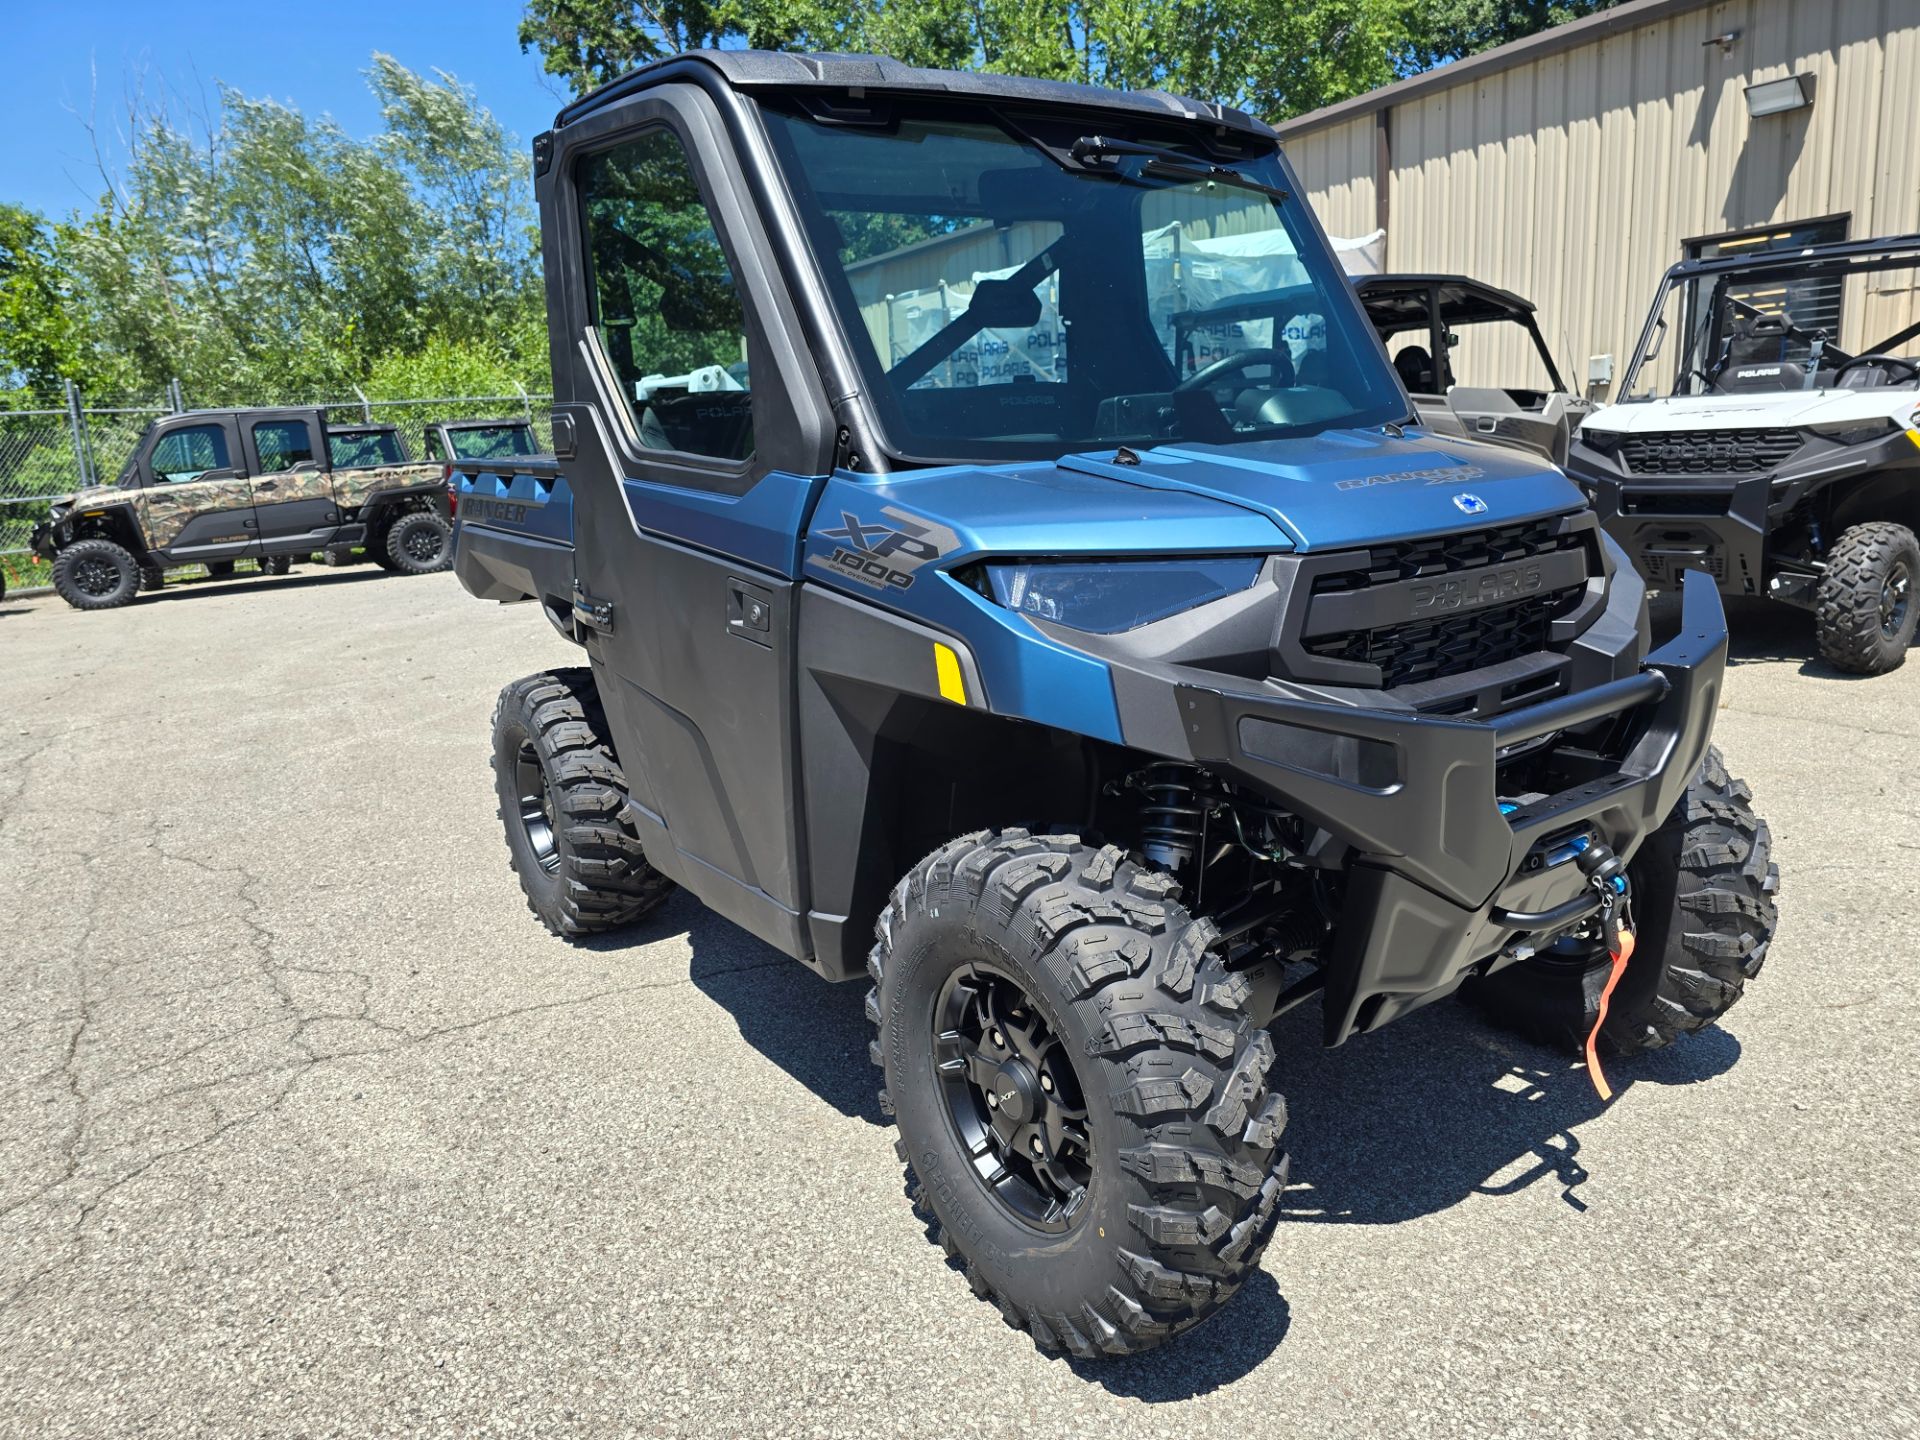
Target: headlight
1104, 597
1603, 441
1856, 432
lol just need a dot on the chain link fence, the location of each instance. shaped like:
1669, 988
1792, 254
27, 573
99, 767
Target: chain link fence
52, 445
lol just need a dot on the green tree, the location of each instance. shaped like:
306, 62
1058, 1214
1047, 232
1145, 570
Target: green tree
1272, 56
43, 338
259, 253
1448, 29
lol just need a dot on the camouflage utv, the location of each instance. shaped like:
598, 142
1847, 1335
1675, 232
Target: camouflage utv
212, 487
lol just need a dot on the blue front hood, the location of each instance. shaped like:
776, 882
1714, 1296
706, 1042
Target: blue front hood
1348, 488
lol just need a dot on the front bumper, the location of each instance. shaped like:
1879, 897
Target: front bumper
1440, 876
1717, 529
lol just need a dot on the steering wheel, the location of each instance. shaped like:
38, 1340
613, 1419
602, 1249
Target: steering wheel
1912, 370
1228, 365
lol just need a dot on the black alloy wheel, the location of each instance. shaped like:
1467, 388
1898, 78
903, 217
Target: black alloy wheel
95, 576
1013, 1096
536, 807
1896, 595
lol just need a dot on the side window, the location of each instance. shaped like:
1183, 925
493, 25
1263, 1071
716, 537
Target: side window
664, 301
182, 455
433, 445
282, 444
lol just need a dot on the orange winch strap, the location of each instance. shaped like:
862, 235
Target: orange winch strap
1620, 958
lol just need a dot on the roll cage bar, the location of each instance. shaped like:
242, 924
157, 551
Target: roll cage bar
1841, 258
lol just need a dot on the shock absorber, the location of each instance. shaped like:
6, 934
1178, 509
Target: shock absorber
1172, 822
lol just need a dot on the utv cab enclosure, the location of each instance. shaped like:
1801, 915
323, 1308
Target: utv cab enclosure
1759, 451
214, 486
946, 624
1423, 319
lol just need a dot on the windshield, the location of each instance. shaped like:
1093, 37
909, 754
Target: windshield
358, 449
1822, 325
490, 442
1024, 294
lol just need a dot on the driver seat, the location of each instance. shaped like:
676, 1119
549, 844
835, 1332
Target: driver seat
1415, 366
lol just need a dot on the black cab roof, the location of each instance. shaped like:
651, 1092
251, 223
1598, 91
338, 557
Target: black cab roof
1402, 300
768, 70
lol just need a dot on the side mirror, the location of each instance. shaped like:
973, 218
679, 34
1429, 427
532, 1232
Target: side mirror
1452, 339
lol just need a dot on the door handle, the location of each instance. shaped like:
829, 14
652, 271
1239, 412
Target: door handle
266, 484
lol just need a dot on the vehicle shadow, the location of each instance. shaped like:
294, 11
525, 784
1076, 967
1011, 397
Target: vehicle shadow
1390, 1127
246, 585
1441, 1106
813, 1029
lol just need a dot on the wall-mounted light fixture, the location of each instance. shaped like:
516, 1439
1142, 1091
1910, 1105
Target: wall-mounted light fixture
1777, 97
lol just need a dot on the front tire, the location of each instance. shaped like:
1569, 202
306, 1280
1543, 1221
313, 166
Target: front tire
276, 564
1868, 602
1079, 1089
1703, 907
96, 575
562, 801
419, 543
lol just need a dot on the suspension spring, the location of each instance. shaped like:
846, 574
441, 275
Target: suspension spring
1173, 821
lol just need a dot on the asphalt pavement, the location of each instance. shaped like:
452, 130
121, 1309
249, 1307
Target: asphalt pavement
311, 1130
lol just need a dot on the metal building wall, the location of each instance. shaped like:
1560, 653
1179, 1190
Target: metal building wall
1575, 178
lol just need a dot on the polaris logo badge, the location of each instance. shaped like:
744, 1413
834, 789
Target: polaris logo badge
1470, 504
1489, 588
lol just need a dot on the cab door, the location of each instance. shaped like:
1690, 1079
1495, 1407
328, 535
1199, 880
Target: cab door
293, 497
195, 502
694, 441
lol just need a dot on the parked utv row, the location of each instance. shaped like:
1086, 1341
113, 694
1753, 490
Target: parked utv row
1096, 680
212, 487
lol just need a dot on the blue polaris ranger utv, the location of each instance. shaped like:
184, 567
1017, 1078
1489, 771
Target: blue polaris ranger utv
963, 611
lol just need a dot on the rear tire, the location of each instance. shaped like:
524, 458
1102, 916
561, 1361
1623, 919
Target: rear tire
152, 577
561, 800
96, 575
1868, 602
276, 564
1139, 1218
419, 543
1703, 909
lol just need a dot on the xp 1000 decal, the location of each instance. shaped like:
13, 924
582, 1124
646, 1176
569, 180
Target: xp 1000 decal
884, 554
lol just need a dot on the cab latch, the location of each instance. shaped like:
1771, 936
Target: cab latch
594, 614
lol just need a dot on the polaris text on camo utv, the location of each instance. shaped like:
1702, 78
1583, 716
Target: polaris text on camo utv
1096, 708
1777, 462
215, 486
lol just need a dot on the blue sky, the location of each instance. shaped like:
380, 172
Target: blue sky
308, 55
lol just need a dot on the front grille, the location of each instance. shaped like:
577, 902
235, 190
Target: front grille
1437, 648
1444, 554
1709, 452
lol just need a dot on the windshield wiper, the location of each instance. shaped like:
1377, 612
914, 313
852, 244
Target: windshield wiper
1169, 164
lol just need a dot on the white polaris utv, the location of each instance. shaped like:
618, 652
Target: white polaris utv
1776, 461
